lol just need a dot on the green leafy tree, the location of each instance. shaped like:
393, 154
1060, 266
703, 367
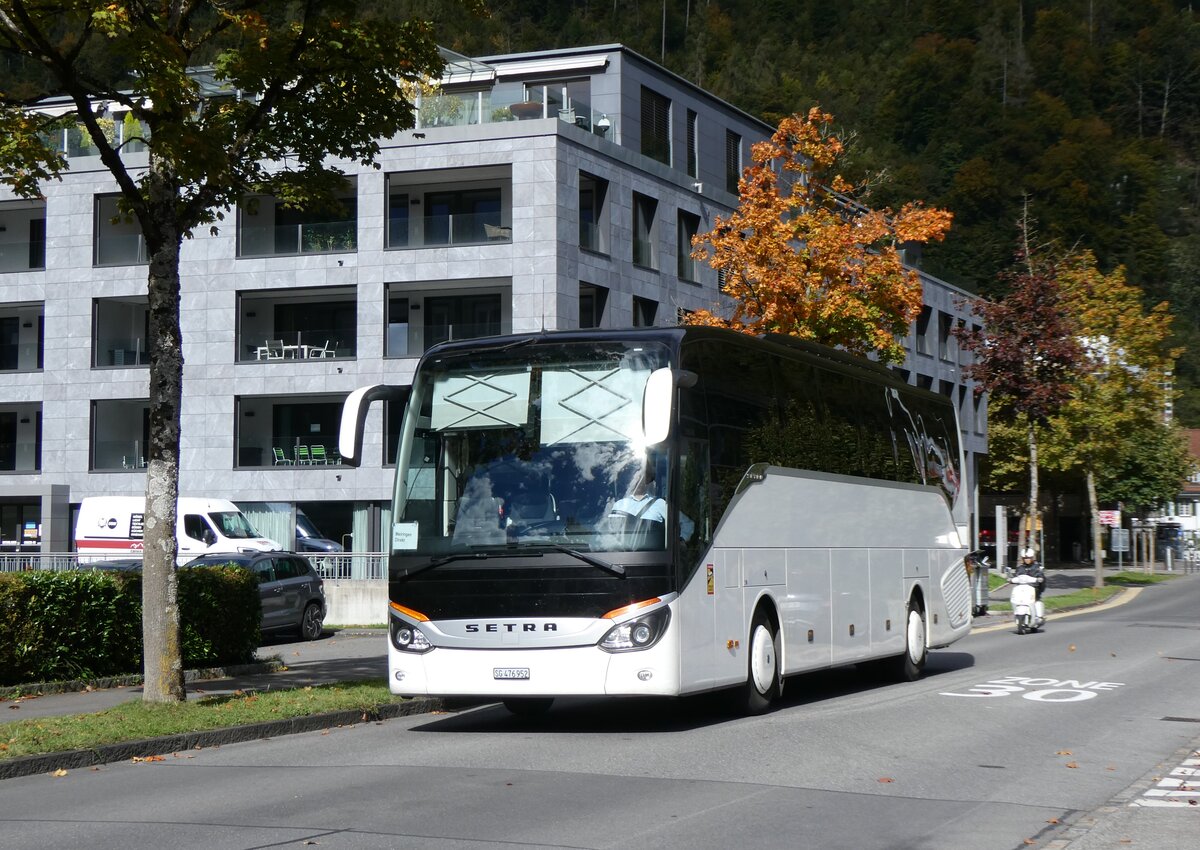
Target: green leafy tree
290, 86
1026, 354
1118, 398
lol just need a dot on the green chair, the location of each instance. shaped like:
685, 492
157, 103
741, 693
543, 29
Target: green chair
318, 455
302, 456
280, 458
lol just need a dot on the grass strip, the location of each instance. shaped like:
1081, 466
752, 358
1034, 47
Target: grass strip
1092, 595
136, 720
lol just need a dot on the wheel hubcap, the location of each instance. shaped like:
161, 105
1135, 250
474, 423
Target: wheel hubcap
762, 659
916, 636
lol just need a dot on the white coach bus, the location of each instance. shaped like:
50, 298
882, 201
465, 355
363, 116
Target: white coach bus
664, 511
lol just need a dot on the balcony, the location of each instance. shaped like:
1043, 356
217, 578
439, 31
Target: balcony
120, 432
297, 324
449, 208
118, 240
268, 228
22, 334
418, 319
120, 328
22, 236
288, 431
20, 437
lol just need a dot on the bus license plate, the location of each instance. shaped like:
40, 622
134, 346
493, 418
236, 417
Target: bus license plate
510, 672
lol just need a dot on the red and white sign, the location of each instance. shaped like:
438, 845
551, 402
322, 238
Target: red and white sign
1111, 518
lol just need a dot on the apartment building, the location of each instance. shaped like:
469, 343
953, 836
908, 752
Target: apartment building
545, 190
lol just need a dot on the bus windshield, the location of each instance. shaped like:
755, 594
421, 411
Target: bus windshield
534, 446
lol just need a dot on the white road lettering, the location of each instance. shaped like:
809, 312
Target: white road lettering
1037, 689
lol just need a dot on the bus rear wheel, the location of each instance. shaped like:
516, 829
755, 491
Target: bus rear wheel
762, 667
528, 706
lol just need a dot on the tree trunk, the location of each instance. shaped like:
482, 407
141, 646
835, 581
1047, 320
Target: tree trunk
163, 664
1033, 486
1097, 559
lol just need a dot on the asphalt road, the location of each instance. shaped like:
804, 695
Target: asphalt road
1009, 739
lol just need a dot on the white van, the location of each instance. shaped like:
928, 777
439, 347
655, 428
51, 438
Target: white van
111, 526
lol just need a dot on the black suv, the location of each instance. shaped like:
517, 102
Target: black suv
293, 595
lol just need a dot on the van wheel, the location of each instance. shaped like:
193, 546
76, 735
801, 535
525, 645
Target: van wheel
528, 706
312, 621
762, 667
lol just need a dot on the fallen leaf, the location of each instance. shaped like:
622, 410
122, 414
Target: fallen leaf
14, 706
886, 779
1052, 820
1063, 753
1110, 767
1126, 841
59, 772
1072, 765
1071, 648
1194, 802
1030, 841
1113, 654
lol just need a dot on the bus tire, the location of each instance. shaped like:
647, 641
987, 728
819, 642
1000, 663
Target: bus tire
909, 666
762, 666
528, 706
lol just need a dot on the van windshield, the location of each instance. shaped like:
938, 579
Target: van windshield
233, 525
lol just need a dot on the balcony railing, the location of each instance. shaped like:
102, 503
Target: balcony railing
436, 231
285, 240
12, 461
413, 340
119, 455
124, 250
22, 256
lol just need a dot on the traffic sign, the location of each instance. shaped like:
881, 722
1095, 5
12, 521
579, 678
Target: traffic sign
1111, 518
1119, 540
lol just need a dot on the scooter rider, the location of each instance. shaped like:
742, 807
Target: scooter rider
1028, 566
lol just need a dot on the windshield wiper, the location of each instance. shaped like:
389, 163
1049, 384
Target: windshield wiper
615, 569
467, 556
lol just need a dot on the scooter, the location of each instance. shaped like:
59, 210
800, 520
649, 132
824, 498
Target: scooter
1028, 610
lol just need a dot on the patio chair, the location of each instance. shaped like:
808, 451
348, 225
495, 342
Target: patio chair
323, 351
303, 458
280, 458
317, 454
274, 349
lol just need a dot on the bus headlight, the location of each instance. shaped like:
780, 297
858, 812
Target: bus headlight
640, 633
408, 638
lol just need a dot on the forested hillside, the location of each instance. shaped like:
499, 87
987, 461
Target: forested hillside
1088, 108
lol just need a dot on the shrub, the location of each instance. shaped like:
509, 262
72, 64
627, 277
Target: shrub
87, 624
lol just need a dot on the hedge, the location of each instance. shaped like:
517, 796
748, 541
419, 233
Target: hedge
88, 624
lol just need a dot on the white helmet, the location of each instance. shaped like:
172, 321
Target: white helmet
1027, 553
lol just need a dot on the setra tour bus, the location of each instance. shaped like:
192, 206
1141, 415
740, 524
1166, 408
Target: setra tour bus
664, 511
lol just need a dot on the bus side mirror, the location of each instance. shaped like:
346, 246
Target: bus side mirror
354, 417
657, 400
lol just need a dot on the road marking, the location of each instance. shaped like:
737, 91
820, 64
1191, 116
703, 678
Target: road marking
1038, 689
1179, 790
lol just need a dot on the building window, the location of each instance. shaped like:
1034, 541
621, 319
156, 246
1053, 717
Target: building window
693, 159
733, 161
120, 431
592, 300
397, 221
922, 340
422, 315
689, 226
397, 342
120, 328
644, 310
467, 316
656, 126
593, 213
645, 231
462, 217
945, 337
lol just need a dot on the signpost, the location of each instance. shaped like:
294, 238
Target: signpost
1119, 543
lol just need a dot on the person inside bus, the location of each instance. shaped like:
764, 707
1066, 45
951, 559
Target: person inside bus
643, 503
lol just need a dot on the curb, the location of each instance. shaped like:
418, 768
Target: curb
75, 759
272, 665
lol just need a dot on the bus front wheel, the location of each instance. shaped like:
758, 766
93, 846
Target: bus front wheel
909, 666
762, 679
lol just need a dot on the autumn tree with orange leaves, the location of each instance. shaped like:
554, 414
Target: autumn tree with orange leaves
801, 256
